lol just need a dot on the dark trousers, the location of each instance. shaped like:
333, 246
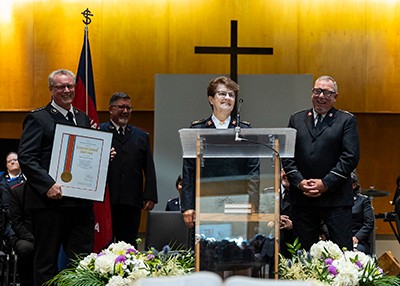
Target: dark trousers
71, 227
24, 251
125, 223
307, 224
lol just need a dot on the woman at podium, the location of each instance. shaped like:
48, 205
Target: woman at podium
225, 182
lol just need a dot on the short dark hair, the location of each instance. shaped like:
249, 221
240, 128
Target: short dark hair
118, 95
212, 86
178, 180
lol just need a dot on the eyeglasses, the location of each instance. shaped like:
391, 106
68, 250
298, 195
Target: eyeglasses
327, 93
122, 107
62, 87
230, 94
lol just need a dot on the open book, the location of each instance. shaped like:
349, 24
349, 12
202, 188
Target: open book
204, 278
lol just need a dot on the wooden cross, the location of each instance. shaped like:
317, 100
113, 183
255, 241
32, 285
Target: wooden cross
233, 50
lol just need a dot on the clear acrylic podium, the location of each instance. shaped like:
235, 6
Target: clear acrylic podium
237, 195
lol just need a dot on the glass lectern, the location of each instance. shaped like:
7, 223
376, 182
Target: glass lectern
237, 196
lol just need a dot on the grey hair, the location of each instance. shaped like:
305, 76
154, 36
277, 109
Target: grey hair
60, 71
328, 78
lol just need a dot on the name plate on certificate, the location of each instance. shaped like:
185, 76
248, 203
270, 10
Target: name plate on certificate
79, 161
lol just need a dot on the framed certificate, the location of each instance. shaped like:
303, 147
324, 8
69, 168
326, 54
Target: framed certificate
79, 161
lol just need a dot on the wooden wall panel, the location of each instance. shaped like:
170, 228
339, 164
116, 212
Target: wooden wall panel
355, 41
380, 158
383, 56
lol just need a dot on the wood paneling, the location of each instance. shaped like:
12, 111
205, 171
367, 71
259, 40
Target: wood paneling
379, 165
355, 41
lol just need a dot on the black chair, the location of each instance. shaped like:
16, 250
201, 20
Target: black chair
167, 228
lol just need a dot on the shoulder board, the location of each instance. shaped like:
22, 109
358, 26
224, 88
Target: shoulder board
196, 122
345, 111
38, 109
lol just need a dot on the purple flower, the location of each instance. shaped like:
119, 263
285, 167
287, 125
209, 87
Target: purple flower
101, 254
358, 263
328, 261
120, 259
131, 250
150, 256
332, 270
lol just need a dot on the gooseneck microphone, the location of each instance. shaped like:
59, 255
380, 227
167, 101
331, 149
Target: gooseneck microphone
237, 128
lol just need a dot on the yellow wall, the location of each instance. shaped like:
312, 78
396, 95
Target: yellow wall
131, 40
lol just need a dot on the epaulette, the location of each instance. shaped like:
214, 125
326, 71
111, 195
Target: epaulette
345, 111
38, 109
196, 122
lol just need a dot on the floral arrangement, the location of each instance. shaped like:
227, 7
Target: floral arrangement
329, 265
120, 264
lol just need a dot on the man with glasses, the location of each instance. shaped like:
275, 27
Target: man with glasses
131, 174
56, 220
326, 152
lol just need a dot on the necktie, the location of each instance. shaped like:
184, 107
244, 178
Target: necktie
318, 121
70, 117
121, 131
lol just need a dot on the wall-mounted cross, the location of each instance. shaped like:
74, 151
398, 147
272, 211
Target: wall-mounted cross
233, 50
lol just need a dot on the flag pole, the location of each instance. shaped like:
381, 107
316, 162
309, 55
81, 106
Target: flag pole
87, 14
86, 70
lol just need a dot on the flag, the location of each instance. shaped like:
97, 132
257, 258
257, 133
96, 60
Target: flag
85, 100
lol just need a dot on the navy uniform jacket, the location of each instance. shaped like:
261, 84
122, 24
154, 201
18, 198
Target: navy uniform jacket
126, 170
330, 153
6, 184
246, 167
34, 155
173, 205
363, 218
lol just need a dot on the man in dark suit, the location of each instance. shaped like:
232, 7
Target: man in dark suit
131, 174
175, 203
22, 240
326, 152
56, 220
363, 218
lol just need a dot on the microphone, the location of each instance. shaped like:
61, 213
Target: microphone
237, 128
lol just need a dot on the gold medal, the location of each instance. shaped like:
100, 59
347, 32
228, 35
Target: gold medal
66, 176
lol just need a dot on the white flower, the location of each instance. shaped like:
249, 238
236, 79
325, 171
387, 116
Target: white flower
361, 256
87, 260
347, 272
105, 263
141, 273
324, 249
118, 281
119, 247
